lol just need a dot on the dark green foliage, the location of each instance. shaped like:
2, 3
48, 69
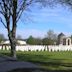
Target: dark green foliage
30, 40
47, 41
33, 41
50, 39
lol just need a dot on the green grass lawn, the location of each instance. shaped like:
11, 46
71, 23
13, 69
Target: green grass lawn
46, 60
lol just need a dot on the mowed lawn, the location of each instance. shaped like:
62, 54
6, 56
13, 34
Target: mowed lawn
46, 60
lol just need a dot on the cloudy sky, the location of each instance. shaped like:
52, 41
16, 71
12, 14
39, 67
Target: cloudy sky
38, 21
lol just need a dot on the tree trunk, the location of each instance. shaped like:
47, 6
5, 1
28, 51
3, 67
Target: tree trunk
13, 49
13, 32
12, 40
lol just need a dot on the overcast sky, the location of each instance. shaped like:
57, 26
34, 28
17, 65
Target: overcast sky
38, 21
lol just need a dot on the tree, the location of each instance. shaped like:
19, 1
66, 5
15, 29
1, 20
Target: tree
38, 41
12, 10
50, 39
34, 41
47, 41
51, 35
30, 40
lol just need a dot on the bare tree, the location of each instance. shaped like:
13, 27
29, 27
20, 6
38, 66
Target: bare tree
51, 35
12, 11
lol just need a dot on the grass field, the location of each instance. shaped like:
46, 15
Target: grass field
46, 60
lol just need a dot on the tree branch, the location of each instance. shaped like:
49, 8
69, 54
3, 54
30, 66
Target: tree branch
22, 8
6, 15
30, 2
3, 23
2, 13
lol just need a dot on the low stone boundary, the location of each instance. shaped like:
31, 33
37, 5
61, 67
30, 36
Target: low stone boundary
40, 48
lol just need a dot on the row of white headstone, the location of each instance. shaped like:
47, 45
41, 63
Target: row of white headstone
40, 48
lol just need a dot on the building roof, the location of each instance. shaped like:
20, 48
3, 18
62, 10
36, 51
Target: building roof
19, 42
61, 34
